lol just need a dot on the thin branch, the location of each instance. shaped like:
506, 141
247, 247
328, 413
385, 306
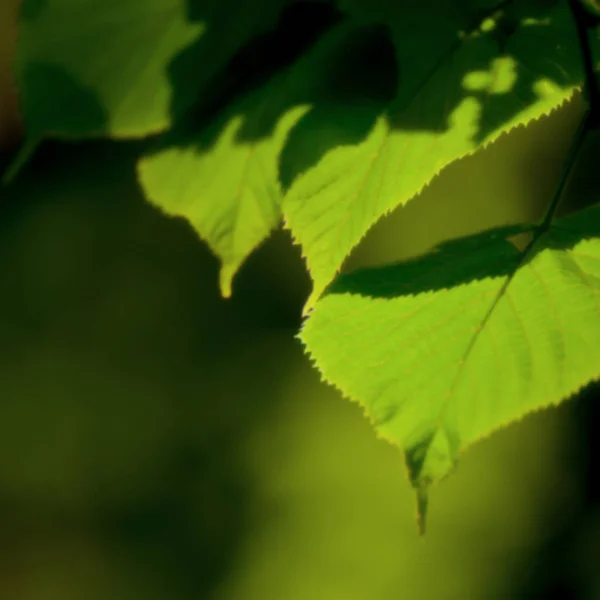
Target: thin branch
583, 23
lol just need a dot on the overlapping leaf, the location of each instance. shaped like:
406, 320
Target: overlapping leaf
443, 349
228, 180
460, 88
123, 68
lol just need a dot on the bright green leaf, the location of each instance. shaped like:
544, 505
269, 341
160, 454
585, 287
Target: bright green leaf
443, 349
460, 88
124, 68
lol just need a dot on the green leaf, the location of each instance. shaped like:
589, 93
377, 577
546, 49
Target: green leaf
228, 180
460, 88
225, 187
124, 68
446, 348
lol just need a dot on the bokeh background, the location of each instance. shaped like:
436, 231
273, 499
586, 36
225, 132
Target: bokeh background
159, 442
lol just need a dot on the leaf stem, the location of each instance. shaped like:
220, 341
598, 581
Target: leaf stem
590, 121
567, 171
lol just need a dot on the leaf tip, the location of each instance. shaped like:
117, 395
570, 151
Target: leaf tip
226, 279
422, 505
309, 306
316, 293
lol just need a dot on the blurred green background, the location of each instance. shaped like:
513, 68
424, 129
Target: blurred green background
159, 442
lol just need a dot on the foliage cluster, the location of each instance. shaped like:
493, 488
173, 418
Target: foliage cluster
326, 116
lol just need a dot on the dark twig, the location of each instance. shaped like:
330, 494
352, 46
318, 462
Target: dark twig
583, 23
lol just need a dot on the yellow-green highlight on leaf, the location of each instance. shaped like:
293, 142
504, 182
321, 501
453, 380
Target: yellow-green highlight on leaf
124, 68
459, 89
445, 348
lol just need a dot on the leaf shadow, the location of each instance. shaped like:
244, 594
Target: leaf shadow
357, 86
283, 32
487, 254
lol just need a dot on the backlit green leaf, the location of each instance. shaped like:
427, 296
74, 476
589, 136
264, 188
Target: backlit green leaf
443, 349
